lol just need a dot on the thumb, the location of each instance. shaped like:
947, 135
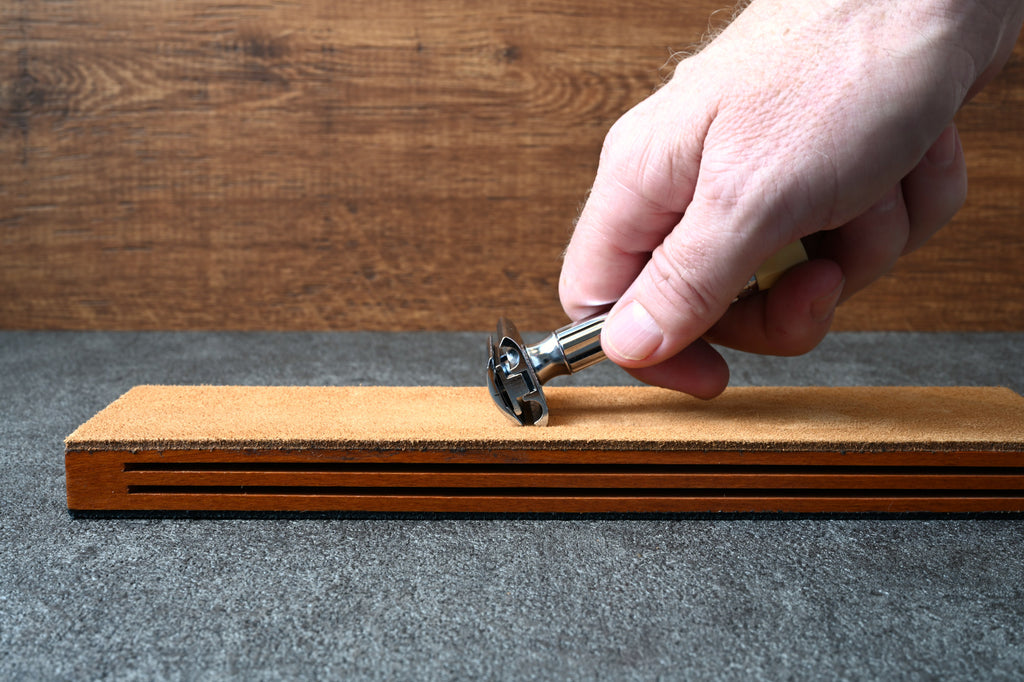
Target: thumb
687, 284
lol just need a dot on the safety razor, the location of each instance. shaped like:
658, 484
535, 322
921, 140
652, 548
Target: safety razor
516, 372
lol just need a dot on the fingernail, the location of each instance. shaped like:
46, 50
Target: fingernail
822, 308
943, 149
632, 333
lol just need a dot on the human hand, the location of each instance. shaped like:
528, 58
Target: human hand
830, 121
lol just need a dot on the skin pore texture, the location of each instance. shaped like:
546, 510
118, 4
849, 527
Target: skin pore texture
828, 121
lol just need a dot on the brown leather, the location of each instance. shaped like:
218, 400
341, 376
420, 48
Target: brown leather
641, 418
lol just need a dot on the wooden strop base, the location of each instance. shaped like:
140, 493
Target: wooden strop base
623, 449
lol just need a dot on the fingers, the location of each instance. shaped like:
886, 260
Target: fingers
698, 370
868, 246
685, 289
936, 189
791, 318
795, 315
644, 182
687, 284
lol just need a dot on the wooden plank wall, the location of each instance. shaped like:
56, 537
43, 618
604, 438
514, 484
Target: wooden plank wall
374, 165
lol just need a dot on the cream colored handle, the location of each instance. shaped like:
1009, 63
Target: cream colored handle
772, 269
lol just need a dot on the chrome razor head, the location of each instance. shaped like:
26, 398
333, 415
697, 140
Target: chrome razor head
512, 379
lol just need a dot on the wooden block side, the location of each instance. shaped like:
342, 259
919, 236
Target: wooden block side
442, 481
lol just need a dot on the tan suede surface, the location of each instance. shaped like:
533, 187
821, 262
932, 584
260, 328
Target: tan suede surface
753, 418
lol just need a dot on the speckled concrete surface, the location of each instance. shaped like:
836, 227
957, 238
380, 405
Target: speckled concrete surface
467, 598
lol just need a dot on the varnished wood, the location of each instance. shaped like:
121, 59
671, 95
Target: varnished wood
541, 480
342, 165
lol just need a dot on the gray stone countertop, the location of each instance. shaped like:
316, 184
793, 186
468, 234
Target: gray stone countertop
481, 598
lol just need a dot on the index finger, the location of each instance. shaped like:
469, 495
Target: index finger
644, 183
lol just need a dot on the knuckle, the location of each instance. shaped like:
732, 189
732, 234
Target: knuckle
636, 159
644, 155
626, 135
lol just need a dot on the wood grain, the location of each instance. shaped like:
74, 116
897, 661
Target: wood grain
340, 165
385, 480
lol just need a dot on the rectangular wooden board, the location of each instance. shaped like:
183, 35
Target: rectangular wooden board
618, 449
